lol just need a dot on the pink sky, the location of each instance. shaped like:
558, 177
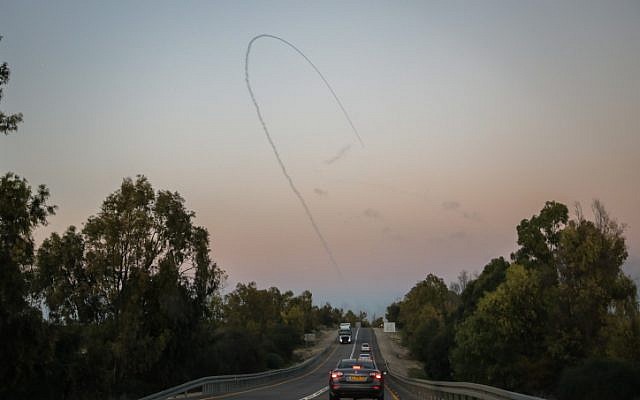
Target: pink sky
473, 115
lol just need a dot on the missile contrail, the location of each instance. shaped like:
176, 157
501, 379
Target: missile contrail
292, 185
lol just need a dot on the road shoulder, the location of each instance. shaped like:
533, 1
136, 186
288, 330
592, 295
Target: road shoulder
324, 339
398, 357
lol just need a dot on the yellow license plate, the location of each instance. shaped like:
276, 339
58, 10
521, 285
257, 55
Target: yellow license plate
357, 378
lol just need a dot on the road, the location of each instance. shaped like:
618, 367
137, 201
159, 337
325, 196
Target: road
313, 384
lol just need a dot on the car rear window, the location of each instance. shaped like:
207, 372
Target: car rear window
366, 364
346, 363
350, 363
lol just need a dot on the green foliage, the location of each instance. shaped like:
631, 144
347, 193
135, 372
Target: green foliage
137, 281
24, 345
569, 302
393, 314
329, 316
503, 342
132, 301
539, 236
274, 361
491, 277
351, 317
593, 289
275, 321
600, 380
8, 122
562, 301
424, 316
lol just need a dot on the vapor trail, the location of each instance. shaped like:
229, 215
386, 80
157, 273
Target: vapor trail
292, 185
326, 82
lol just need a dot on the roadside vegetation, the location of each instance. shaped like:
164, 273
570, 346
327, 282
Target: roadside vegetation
131, 302
560, 318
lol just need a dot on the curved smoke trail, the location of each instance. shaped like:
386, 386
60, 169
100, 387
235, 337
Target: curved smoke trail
273, 145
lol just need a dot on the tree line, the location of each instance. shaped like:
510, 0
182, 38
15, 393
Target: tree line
131, 303
560, 318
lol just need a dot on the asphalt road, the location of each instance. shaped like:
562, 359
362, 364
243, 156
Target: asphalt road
313, 383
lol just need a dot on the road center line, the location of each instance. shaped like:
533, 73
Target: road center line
316, 394
355, 343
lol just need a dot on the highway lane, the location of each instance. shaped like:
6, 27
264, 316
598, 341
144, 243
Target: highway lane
313, 383
393, 391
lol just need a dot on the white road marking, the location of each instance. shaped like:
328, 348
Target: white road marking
324, 389
355, 343
316, 394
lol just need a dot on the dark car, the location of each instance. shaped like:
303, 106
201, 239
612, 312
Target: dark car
356, 379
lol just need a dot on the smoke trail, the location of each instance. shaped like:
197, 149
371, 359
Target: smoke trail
340, 155
326, 82
275, 149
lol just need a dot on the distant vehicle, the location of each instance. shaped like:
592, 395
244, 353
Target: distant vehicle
365, 347
356, 379
344, 333
344, 337
364, 356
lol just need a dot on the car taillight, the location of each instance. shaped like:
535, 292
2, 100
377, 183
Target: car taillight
376, 375
356, 367
336, 374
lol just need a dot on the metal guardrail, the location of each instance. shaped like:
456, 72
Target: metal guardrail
423, 389
437, 390
221, 384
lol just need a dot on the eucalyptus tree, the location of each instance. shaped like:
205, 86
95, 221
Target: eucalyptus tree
24, 344
139, 281
8, 122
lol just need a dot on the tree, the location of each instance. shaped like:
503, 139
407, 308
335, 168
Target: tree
24, 344
493, 274
8, 122
329, 316
139, 281
393, 313
138, 234
362, 317
539, 237
424, 315
427, 299
464, 279
274, 323
351, 317
569, 302
256, 309
67, 286
594, 291
503, 342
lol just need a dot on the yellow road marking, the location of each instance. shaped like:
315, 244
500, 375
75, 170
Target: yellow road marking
393, 393
224, 396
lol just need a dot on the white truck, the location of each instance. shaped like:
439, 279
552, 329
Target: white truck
344, 333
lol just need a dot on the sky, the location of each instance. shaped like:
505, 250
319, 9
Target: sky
472, 114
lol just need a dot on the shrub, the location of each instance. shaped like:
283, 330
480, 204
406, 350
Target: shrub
274, 361
601, 380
